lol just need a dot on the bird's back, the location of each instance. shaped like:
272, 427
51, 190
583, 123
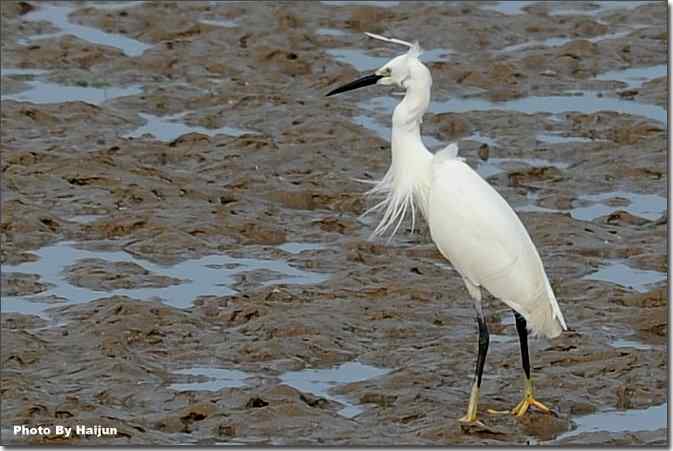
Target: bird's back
485, 241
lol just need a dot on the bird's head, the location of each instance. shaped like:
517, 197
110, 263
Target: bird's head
396, 72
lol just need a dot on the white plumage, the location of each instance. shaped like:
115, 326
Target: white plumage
483, 238
470, 222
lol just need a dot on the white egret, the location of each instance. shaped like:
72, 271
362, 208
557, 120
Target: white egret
469, 221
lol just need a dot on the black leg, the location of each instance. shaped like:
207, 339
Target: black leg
523, 341
483, 347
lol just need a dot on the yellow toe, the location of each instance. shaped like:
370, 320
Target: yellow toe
526, 403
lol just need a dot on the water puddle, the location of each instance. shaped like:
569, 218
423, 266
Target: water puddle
11, 72
509, 8
364, 62
385, 133
635, 77
210, 275
476, 136
380, 4
210, 379
585, 102
621, 343
84, 219
620, 274
495, 166
600, 7
500, 338
298, 248
560, 41
331, 32
631, 420
224, 23
532, 207
41, 92
58, 17
557, 138
114, 5
320, 381
648, 206
169, 128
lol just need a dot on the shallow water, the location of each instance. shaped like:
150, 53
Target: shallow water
169, 128
648, 206
509, 8
47, 92
622, 343
364, 62
210, 275
225, 23
332, 32
585, 102
589, 102
85, 219
298, 248
620, 274
11, 71
560, 41
630, 420
380, 4
216, 379
115, 5
385, 132
320, 381
476, 136
602, 6
557, 138
635, 77
494, 166
58, 17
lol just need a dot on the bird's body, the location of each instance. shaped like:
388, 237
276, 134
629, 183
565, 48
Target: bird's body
488, 245
469, 221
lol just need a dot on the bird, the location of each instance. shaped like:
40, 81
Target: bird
471, 224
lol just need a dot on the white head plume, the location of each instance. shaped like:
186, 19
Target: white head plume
414, 49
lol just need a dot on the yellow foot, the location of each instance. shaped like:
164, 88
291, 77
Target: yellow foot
468, 419
523, 406
473, 426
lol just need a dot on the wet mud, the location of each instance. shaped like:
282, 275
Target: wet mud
183, 255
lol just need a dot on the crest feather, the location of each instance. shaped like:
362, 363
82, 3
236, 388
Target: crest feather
414, 49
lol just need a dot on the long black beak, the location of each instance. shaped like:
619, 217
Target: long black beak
359, 83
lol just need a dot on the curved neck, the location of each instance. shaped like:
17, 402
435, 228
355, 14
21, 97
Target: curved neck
408, 115
411, 160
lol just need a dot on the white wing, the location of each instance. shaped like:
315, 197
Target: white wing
485, 241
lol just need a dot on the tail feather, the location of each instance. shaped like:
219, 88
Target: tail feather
545, 318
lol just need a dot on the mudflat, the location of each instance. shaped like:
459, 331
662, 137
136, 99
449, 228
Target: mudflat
183, 256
